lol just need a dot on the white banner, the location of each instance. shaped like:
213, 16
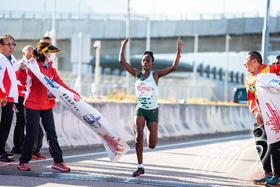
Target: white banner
269, 99
115, 145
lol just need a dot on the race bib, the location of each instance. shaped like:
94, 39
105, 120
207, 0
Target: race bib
144, 89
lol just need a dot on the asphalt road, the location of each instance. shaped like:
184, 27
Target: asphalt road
228, 159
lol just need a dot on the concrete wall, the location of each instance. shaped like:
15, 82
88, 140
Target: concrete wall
111, 47
158, 46
245, 32
174, 120
26, 29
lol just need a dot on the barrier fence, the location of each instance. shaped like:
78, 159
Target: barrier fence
174, 120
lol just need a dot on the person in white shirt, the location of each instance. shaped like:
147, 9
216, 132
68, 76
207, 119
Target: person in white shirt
8, 92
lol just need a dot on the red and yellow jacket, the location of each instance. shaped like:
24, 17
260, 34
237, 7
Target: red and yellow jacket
250, 83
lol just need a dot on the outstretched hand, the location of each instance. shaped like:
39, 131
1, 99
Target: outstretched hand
124, 42
180, 44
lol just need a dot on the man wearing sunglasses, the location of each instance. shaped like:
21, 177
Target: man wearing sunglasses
8, 92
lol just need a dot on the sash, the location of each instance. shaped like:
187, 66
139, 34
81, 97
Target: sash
115, 145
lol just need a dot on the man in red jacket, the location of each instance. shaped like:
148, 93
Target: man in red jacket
267, 152
8, 92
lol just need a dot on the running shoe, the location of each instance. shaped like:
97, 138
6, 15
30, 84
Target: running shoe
10, 155
274, 181
23, 167
263, 179
139, 172
40, 156
60, 166
5, 160
34, 157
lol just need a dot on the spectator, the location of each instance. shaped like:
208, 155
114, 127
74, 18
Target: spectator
20, 122
276, 60
267, 152
38, 105
8, 92
39, 140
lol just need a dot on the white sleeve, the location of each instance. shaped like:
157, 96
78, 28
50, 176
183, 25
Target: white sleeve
28, 79
15, 63
2, 72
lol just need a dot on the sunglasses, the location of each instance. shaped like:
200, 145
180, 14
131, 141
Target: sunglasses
10, 45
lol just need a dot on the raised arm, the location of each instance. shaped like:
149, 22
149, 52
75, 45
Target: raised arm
122, 61
175, 64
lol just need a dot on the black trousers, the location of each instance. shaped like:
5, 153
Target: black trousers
262, 146
32, 128
275, 157
19, 129
20, 124
38, 142
5, 125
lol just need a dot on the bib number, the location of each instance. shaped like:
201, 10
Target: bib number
144, 89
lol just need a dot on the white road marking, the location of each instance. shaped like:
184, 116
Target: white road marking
160, 146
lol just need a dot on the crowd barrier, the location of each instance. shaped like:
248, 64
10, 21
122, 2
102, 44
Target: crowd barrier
174, 120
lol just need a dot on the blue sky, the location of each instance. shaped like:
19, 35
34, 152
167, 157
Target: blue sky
143, 6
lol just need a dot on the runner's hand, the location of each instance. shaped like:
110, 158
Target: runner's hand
124, 42
180, 44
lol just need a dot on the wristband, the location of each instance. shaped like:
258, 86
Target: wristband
179, 56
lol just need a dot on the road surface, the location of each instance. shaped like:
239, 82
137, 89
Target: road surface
228, 159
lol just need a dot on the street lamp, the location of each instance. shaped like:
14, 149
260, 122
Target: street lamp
43, 10
97, 45
195, 51
128, 46
265, 34
226, 68
148, 37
